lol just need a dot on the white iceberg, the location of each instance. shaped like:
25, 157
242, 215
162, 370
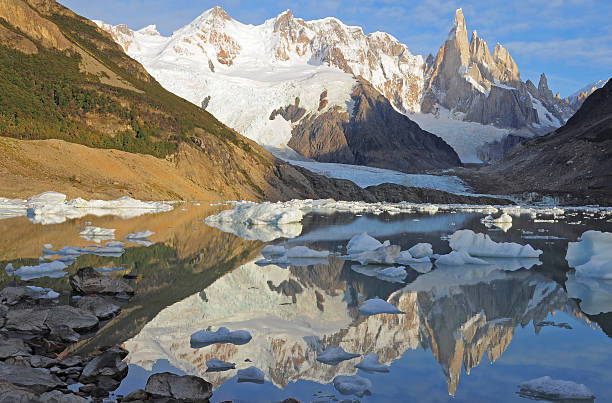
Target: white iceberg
44, 293
421, 250
353, 385
458, 258
10, 208
407, 258
53, 208
370, 363
203, 338
362, 243
385, 254
139, 235
216, 365
251, 374
503, 218
592, 255
334, 356
97, 234
54, 269
482, 245
554, 389
377, 306
304, 252
393, 273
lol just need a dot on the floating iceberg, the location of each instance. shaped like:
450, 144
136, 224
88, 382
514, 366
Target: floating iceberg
97, 234
503, 218
251, 374
370, 364
139, 235
54, 269
203, 338
393, 273
458, 258
215, 365
304, 252
553, 389
385, 254
353, 385
421, 250
407, 258
362, 243
482, 245
53, 208
377, 306
335, 355
592, 255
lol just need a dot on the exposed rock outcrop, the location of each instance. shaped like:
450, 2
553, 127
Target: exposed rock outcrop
372, 133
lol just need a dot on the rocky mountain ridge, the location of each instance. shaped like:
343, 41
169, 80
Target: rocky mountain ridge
243, 73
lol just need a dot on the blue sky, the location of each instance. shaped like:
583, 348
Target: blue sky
569, 40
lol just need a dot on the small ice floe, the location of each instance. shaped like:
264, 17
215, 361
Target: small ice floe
377, 306
48, 246
97, 234
251, 374
407, 258
385, 254
107, 270
203, 338
554, 389
592, 255
215, 365
421, 250
421, 267
395, 274
503, 218
481, 245
458, 258
43, 293
139, 235
543, 237
370, 363
353, 385
296, 256
362, 243
334, 356
54, 269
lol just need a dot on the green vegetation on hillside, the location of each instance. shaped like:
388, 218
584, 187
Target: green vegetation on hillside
47, 95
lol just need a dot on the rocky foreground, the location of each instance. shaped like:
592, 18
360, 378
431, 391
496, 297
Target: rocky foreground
37, 334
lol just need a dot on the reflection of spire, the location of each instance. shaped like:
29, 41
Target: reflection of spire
460, 315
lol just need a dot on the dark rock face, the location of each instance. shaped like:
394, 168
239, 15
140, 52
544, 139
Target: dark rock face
496, 150
184, 388
372, 133
574, 159
291, 113
503, 107
100, 306
88, 281
36, 379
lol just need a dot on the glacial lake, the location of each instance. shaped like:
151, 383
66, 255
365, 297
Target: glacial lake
468, 333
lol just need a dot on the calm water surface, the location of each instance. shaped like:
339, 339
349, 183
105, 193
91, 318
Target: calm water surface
469, 333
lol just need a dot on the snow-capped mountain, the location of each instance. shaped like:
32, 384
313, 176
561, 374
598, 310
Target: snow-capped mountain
246, 74
578, 97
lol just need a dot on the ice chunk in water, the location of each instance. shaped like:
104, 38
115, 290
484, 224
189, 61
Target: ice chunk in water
353, 385
54, 269
377, 306
421, 250
139, 235
251, 374
370, 364
554, 389
392, 273
482, 245
385, 254
335, 355
362, 243
215, 365
592, 255
203, 338
458, 258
